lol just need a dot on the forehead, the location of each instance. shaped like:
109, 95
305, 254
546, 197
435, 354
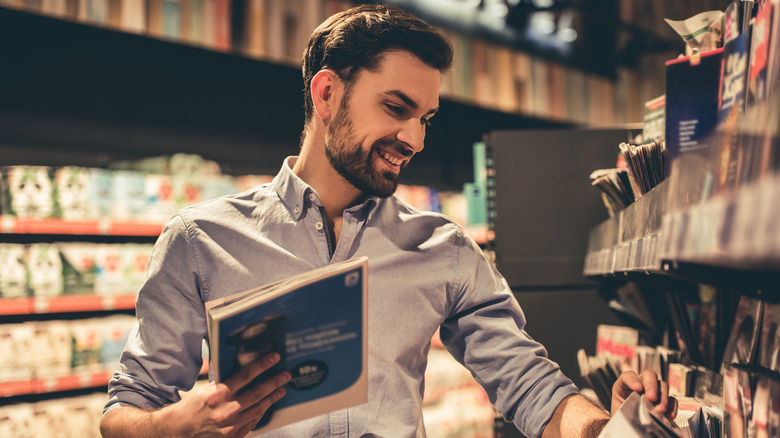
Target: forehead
403, 71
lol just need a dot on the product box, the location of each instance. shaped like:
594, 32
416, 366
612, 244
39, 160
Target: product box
86, 345
731, 104
44, 270
692, 87
78, 267
52, 418
654, 123
187, 191
108, 269
216, 186
115, 331
17, 420
100, 193
128, 195
16, 341
26, 191
135, 261
51, 349
13, 270
160, 203
71, 192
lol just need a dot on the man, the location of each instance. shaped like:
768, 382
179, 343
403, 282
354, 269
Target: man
372, 76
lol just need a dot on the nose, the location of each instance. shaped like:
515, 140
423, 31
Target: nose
412, 133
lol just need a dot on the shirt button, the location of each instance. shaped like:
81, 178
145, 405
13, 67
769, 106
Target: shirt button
318, 226
296, 210
312, 197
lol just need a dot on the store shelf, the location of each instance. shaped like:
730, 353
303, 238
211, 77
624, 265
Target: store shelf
65, 304
68, 382
55, 384
16, 225
730, 240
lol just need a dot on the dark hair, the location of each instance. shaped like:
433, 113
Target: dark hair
357, 38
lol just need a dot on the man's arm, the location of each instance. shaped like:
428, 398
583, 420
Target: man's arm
576, 417
216, 409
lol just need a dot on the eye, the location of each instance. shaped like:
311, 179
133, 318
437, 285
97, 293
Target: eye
425, 122
395, 109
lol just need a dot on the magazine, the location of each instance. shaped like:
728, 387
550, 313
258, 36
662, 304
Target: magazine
316, 321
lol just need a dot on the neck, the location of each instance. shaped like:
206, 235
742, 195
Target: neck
313, 167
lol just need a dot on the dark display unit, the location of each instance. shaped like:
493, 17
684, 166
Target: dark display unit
544, 205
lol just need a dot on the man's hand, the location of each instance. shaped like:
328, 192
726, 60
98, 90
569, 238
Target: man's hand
228, 409
648, 384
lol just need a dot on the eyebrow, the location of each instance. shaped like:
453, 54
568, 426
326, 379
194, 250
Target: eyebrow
408, 100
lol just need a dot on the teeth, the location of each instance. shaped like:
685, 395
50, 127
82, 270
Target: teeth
389, 158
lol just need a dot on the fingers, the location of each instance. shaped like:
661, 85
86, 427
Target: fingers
245, 375
268, 390
671, 411
260, 398
650, 385
627, 383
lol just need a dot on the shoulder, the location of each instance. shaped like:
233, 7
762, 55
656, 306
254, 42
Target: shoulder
402, 216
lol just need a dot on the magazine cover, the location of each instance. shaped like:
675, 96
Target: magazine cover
742, 345
316, 322
769, 354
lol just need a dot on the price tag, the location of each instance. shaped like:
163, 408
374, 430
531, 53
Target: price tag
41, 305
85, 380
109, 302
104, 227
50, 384
7, 224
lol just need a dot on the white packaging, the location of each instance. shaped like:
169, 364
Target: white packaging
109, 279
71, 189
78, 266
16, 343
51, 349
100, 193
44, 270
160, 203
13, 270
53, 419
128, 199
135, 260
17, 421
28, 191
115, 331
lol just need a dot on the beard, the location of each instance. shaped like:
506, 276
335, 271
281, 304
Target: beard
354, 164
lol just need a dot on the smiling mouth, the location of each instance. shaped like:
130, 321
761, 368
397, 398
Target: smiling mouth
390, 159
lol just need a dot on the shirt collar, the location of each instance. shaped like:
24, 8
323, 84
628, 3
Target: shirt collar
294, 192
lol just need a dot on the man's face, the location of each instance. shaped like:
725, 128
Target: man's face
380, 123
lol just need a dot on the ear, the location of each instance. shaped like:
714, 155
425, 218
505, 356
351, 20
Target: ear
324, 87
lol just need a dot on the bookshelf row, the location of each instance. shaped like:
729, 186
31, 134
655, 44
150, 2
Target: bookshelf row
485, 74
728, 240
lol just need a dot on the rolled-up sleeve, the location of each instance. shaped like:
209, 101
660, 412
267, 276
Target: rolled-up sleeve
164, 352
485, 332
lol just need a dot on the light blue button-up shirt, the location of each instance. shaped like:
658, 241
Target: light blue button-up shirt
424, 274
